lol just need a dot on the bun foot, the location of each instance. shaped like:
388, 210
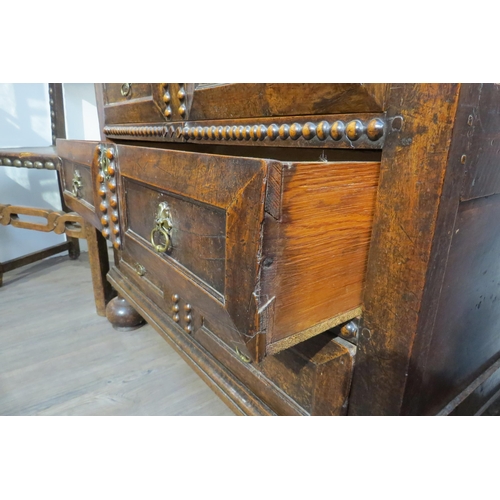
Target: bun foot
122, 315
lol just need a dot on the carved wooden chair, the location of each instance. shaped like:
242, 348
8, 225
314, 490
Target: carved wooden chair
61, 222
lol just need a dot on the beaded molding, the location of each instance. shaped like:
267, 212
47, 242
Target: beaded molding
345, 133
106, 188
47, 165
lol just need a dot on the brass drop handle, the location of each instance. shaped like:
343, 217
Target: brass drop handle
163, 228
242, 356
125, 90
76, 184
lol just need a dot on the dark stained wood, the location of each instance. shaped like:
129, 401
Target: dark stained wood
99, 267
462, 142
57, 116
122, 315
198, 235
236, 201
466, 338
411, 181
482, 176
144, 103
315, 380
240, 100
354, 130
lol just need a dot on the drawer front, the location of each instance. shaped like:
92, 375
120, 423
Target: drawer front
146, 103
77, 178
212, 208
136, 103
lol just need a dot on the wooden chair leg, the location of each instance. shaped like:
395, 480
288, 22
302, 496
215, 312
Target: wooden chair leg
99, 267
73, 248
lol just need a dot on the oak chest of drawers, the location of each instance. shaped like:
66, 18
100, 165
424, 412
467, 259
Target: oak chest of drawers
282, 236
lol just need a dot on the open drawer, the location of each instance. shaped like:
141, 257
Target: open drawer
263, 253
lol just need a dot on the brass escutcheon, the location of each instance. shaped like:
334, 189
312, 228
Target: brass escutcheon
163, 226
140, 270
125, 90
77, 184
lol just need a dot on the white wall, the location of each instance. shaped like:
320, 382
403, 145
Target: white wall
25, 122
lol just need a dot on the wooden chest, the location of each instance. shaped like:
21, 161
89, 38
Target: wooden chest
304, 246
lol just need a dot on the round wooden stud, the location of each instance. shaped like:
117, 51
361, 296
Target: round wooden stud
176, 318
187, 307
188, 318
188, 328
166, 97
103, 207
112, 186
309, 130
182, 109
104, 220
116, 230
17, 163
28, 164
322, 130
113, 201
253, 132
175, 308
122, 315
185, 132
38, 164
284, 132
337, 130
114, 216
295, 131
49, 166
109, 154
354, 130
116, 244
375, 129
105, 232
101, 191
7, 161
181, 94
261, 132
175, 298
100, 177
168, 112
272, 132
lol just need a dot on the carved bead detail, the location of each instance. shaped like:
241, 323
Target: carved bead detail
188, 328
187, 307
354, 130
176, 318
309, 130
295, 131
284, 132
272, 132
337, 130
323, 130
375, 129
175, 298
175, 308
